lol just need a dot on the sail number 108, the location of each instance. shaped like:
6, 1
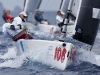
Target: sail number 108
60, 54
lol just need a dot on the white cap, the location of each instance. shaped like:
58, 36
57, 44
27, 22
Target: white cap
62, 12
42, 11
39, 10
23, 13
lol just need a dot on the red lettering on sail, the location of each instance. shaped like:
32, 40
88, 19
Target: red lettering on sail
60, 54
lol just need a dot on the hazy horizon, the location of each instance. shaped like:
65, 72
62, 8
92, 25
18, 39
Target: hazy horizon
12, 4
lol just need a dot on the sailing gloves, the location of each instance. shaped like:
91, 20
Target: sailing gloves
13, 27
61, 24
22, 27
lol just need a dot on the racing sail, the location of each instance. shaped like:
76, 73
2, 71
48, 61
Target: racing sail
88, 20
72, 5
64, 6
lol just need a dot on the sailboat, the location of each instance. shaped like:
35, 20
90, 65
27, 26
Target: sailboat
61, 54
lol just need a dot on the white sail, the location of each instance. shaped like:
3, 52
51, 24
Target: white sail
64, 6
75, 7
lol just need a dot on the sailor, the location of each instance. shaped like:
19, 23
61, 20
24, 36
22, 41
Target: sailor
23, 32
78, 34
59, 18
39, 17
9, 29
18, 21
62, 23
5, 13
41, 14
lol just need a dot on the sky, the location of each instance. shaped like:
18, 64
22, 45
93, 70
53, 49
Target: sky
46, 4
11, 4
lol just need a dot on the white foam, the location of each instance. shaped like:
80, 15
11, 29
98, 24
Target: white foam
88, 56
16, 62
10, 54
98, 35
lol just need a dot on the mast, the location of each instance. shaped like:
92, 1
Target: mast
88, 20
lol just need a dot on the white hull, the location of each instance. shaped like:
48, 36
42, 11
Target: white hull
54, 28
51, 53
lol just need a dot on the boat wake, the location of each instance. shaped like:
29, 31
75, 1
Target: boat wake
10, 59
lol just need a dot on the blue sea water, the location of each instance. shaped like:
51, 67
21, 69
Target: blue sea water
10, 64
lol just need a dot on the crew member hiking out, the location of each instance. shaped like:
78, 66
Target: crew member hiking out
20, 19
10, 30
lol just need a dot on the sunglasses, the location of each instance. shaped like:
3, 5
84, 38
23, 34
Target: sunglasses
25, 16
11, 18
